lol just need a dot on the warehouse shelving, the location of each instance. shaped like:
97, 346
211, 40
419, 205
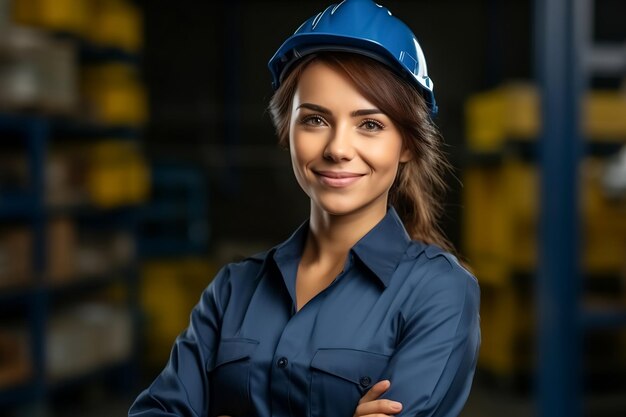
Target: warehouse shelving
567, 57
538, 182
177, 213
174, 249
537, 155
32, 302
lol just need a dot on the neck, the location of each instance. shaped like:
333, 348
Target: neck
331, 236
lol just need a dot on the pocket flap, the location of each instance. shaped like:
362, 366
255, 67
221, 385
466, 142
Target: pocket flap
230, 350
357, 366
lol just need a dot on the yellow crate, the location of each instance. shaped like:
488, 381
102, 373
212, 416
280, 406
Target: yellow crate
500, 237
111, 186
115, 95
170, 290
604, 238
509, 323
506, 322
605, 115
117, 23
499, 209
138, 187
512, 111
72, 16
118, 174
486, 227
501, 221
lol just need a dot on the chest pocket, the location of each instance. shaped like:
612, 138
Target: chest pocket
340, 377
230, 377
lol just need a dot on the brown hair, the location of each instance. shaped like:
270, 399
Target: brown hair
419, 184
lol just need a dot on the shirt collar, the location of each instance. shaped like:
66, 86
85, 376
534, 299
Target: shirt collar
287, 256
382, 247
380, 250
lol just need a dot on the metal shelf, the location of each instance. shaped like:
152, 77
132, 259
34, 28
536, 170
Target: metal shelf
159, 248
70, 128
13, 296
23, 393
175, 223
16, 121
526, 150
55, 385
86, 211
67, 127
16, 206
90, 52
604, 316
36, 132
81, 285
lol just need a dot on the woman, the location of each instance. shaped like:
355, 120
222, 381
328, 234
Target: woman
363, 310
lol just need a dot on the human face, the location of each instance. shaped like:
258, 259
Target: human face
344, 151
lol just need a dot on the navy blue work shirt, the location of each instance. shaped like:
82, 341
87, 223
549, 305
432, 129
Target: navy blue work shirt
400, 310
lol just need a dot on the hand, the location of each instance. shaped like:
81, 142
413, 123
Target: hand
370, 406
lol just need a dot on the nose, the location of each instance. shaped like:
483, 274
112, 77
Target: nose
339, 146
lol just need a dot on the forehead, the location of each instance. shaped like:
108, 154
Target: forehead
322, 84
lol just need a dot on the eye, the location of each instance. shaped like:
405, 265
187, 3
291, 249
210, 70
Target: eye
372, 125
313, 120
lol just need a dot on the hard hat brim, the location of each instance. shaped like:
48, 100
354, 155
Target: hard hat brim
300, 45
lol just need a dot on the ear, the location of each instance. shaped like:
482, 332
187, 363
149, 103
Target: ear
406, 155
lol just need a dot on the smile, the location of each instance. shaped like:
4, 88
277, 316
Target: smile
337, 179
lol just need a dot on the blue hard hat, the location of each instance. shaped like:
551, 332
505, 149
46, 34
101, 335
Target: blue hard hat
363, 27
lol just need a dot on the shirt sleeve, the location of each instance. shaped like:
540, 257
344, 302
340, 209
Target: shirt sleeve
432, 369
182, 388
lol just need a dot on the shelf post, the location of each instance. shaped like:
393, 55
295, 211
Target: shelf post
559, 341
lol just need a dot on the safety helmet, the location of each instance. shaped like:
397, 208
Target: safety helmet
363, 27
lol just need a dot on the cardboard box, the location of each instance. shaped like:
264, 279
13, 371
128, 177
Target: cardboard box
15, 361
16, 256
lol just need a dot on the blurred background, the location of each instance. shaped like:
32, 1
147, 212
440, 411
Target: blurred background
137, 157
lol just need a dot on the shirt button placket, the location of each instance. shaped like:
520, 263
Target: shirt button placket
280, 387
282, 362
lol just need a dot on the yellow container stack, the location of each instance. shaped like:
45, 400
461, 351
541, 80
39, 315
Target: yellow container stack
111, 91
70, 16
170, 290
72, 106
116, 23
109, 23
114, 94
513, 111
119, 174
501, 211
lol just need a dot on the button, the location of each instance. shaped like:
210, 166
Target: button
365, 381
282, 362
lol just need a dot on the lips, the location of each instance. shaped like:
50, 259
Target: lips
337, 179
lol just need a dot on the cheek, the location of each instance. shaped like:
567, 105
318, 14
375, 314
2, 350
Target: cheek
385, 159
300, 158
303, 149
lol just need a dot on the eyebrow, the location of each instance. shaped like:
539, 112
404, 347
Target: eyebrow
324, 110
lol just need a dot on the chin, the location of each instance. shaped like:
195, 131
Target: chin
337, 205
342, 205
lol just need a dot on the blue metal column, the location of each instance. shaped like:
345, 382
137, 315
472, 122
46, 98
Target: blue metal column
559, 372
37, 132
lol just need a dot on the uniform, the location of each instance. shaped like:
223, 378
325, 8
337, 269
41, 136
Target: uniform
400, 310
